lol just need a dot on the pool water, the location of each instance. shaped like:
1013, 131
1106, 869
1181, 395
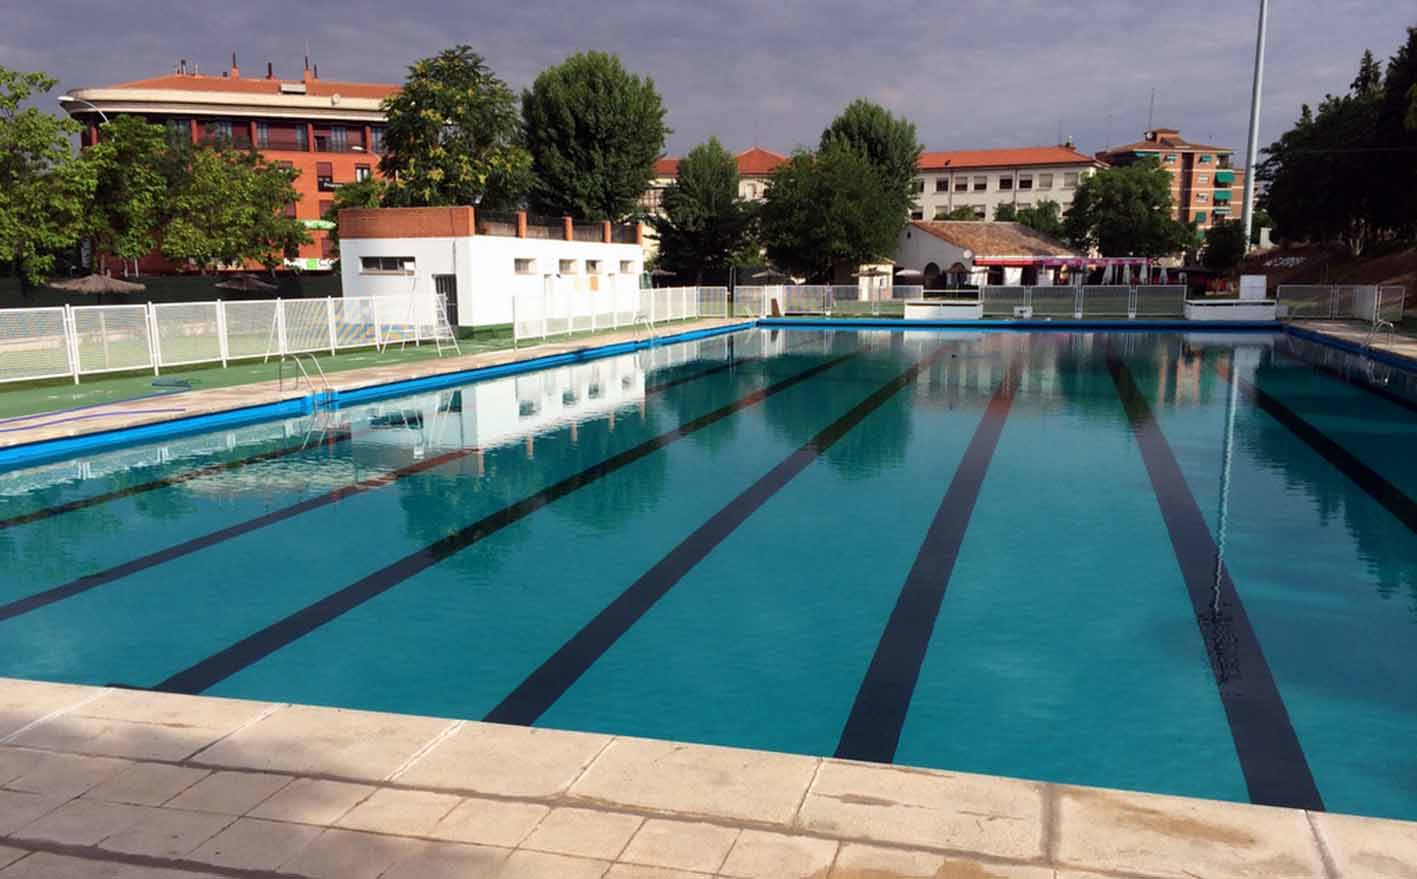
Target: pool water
1168, 562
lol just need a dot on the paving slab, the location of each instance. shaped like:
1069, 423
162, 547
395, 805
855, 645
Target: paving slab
491, 822
400, 812
82, 822
18, 808
67, 775
229, 793
759, 854
639, 871
23, 702
681, 845
312, 801
856, 861
306, 740
252, 844
15, 762
977, 813
1368, 846
1181, 837
503, 760
9, 855
147, 784
524, 864
350, 854
585, 833
698, 779
167, 833
143, 725
447, 860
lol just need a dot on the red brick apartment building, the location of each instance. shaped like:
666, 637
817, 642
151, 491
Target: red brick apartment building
330, 131
1205, 186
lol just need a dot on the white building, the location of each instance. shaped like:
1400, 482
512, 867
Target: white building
959, 253
981, 180
480, 263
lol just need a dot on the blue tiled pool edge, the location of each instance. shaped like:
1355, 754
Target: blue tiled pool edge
25, 454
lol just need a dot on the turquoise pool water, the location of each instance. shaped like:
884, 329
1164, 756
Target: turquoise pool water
1169, 562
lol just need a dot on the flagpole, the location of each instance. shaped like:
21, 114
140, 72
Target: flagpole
1252, 151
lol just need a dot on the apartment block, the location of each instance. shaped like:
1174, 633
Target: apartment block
1205, 185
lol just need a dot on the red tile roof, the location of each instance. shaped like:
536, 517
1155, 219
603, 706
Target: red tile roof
257, 85
1003, 158
1166, 139
994, 239
754, 162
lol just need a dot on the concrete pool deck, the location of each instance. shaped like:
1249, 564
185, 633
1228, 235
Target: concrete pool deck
100, 782
120, 415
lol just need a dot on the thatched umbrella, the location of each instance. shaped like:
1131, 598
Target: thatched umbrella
98, 284
247, 284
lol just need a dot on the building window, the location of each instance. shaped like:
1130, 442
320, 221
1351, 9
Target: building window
1201, 196
1198, 216
325, 176
1006, 182
328, 248
917, 214
961, 184
362, 173
289, 211
1203, 178
376, 139
942, 212
917, 186
524, 266
263, 135
1025, 181
981, 184
567, 267
1170, 158
1045, 181
1070, 180
752, 190
179, 129
375, 265
327, 210
627, 267
981, 212
1206, 159
942, 184
592, 267
216, 131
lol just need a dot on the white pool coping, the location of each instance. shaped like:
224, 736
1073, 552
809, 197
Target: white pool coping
97, 781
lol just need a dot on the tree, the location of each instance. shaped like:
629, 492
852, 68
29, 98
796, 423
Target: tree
963, 213
131, 188
1005, 212
1045, 218
1126, 211
888, 142
705, 224
594, 130
451, 136
1224, 246
229, 207
824, 209
44, 187
1369, 80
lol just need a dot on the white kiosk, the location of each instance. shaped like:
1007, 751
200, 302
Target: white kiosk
1252, 304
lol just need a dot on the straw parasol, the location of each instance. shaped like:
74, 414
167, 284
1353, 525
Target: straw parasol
98, 285
248, 284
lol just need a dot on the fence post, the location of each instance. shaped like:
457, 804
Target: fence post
1133, 302
71, 341
1077, 303
374, 315
154, 341
330, 315
222, 345
281, 345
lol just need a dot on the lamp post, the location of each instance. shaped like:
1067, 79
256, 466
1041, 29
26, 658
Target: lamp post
1252, 151
64, 100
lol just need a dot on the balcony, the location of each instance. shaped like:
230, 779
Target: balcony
1222, 195
1224, 177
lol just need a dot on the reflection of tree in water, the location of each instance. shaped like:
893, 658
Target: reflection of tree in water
1371, 527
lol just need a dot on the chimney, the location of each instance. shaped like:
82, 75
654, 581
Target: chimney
182, 66
235, 71
270, 71
317, 71
306, 77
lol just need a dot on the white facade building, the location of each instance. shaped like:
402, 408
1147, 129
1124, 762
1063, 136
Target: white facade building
981, 180
478, 267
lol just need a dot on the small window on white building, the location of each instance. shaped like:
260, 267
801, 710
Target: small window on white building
981, 184
942, 184
1006, 182
917, 214
627, 267
961, 184
1045, 181
370, 265
942, 213
917, 185
592, 267
1025, 181
525, 266
567, 267
981, 212
1070, 180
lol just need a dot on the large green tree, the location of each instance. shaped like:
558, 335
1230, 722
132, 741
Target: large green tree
1127, 211
452, 136
594, 130
1046, 218
229, 207
824, 210
889, 142
44, 187
126, 213
704, 224
1224, 246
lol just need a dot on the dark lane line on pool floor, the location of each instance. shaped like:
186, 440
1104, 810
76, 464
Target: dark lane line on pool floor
168, 481
531, 699
255, 647
1373, 484
1271, 757
872, 730
108, 575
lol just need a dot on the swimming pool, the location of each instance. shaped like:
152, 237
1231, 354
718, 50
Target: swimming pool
1170, 562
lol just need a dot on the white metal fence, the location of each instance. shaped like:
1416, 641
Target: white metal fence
789, 299
1365, 302
74, 341
1091, 301
565, 312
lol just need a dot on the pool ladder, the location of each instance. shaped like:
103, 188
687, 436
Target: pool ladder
322, 393
1381, 329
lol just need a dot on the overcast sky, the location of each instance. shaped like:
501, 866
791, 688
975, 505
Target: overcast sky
969, 73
